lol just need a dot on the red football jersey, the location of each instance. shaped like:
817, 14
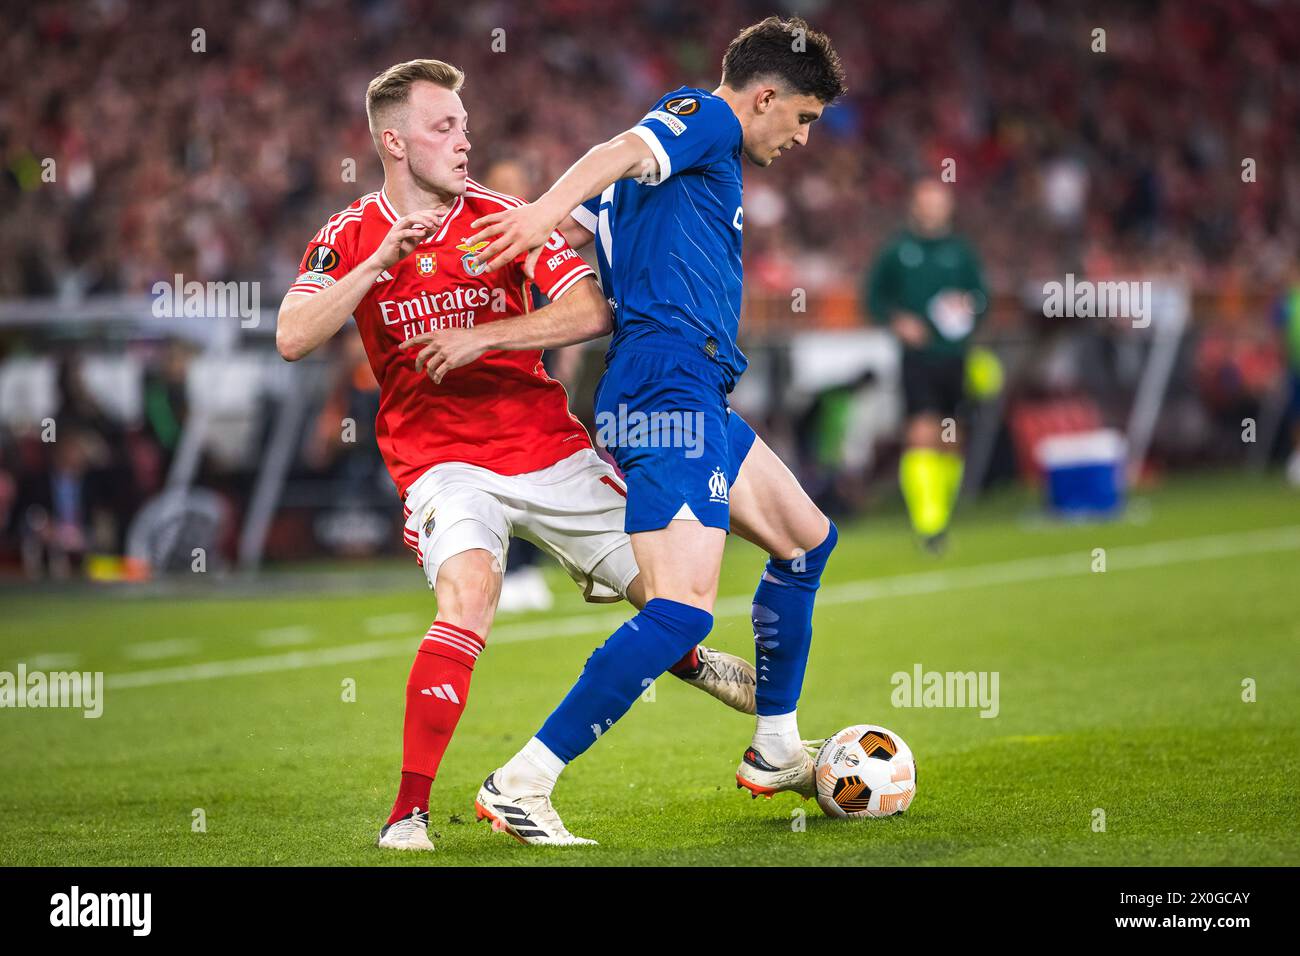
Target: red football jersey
501, 412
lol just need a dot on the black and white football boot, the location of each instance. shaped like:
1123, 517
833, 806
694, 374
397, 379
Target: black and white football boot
528, 817
762, 779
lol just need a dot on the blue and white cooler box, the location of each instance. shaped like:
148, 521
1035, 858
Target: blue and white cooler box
1084, 472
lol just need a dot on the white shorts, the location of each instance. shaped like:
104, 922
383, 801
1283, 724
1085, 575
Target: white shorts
572, 510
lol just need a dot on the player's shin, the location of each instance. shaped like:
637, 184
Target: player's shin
782, 619
616, 674
436, 693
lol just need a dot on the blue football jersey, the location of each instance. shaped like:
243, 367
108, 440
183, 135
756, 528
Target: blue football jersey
669, 244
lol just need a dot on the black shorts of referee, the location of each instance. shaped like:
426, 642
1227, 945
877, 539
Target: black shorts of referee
933, 383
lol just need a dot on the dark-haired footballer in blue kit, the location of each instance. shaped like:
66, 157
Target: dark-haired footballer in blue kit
663, 204
669, 250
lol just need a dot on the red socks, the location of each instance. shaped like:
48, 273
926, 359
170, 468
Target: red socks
688, 664
414, 792
436, 693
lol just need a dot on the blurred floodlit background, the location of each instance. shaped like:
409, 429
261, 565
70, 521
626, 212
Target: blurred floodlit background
131, 157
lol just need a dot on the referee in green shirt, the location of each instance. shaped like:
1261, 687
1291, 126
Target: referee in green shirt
926, 286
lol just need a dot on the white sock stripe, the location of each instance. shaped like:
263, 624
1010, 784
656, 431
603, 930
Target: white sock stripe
454, 639
468, 651
469, 658
452, 632
448, 632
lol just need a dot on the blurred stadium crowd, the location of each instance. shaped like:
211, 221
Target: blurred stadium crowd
220, 165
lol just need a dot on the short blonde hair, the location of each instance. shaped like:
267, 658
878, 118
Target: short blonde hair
393, 87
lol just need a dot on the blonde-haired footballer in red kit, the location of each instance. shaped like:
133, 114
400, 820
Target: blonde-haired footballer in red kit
489, 449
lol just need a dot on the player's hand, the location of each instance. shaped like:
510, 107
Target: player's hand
445, 350
407, 233
910, 330
512, 232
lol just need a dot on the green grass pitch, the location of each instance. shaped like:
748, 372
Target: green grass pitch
1120, 691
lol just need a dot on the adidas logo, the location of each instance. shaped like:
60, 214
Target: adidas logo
384, 276
442, 692
519, 820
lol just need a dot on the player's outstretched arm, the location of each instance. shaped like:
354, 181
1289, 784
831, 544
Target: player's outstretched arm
575, 234
580, 315
306, 321
526, 228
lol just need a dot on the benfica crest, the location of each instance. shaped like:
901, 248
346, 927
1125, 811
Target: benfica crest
426, 263
467, 260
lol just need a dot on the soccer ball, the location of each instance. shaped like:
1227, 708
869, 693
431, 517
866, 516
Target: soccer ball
865, 771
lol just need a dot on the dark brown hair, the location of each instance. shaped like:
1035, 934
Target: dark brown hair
790, 51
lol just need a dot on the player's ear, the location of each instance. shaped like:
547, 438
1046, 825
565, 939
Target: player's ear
393, 144
764, 99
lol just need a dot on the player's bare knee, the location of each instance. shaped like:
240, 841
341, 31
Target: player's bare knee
817, 532
697, 592
702, 598
805, 529
798, 529
804, 567
469, 585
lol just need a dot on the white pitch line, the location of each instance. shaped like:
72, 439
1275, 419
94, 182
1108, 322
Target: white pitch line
395, 624
284, 636
1020, 571
267, 663
155, 650
1122, 558
51, 662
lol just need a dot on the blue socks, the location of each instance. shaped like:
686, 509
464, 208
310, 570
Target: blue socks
782, 618
620, 669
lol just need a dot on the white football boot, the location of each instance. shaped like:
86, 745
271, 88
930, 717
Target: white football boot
529, 818
409, 833
760, 778
725, 676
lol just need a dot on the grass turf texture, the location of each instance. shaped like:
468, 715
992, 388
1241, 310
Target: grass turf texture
1118, 690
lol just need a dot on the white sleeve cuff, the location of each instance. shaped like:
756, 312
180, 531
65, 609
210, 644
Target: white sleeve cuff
585, 218
661, 157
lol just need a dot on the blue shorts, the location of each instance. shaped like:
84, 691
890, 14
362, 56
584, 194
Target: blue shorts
664, 417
